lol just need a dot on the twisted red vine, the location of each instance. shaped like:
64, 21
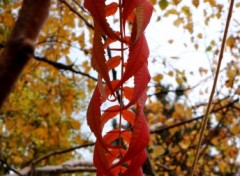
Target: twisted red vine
122, 150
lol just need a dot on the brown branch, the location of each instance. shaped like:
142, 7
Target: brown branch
204, 122
20, 45
64, 67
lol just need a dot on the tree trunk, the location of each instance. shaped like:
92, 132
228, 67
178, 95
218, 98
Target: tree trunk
20, 45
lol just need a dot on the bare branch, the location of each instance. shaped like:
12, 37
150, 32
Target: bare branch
64, 67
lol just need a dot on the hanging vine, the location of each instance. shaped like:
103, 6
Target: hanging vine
122, 150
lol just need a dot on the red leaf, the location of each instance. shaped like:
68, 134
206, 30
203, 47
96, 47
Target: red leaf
143, 15
109, 114
126, 135
128, 116
138, 67
97, 10
138, 55
111, 8
100, 160
113, 62
135, 168
141, 79
98, 59
128, 92
108, 41
129, 7
109, 92
94, 116
119, 170
139, 140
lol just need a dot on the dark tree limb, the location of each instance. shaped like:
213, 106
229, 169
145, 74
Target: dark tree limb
64, 67
20, 45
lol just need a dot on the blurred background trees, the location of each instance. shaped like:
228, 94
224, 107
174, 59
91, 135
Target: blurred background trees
43, 124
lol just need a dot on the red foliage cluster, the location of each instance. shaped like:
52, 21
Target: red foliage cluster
121, 151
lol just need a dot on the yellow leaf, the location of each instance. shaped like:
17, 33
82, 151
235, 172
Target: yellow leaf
235, 130
200, 35
231, 73
171, 12
189, 27
185, 143
186, 10
230, 42
78, 139
178, 21
229, 83
215, 141
170, 73
179, 80
222, 166
17, 159
10, 123
158, 78
195, 3
159, 150
75, 124
41, 133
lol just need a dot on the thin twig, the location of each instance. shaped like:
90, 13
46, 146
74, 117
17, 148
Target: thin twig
78, 14
81, 7
204, 122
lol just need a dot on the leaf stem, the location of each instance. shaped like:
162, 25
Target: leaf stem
122, 70
204, 122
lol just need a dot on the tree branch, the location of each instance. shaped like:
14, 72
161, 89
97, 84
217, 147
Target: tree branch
64, 67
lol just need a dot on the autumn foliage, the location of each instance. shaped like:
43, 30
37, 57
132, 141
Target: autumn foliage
88, 64
121, 151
